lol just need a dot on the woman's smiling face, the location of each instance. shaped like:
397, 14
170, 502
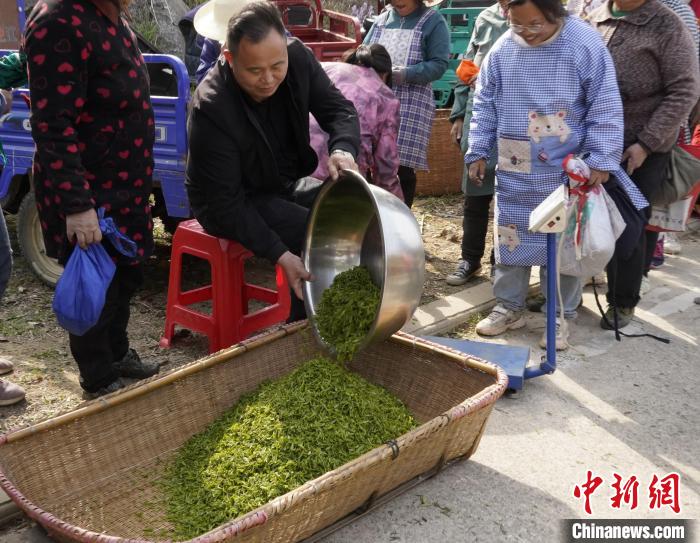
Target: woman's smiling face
405, 7
530, 24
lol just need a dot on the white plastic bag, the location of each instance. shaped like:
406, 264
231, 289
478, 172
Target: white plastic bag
593, 226
671, 217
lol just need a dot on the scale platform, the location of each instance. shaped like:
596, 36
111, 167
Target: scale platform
511, 359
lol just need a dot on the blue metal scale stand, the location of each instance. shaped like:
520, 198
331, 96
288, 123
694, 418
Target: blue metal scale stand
514, 359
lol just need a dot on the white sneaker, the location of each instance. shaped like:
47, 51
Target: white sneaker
562, 340
645, 286
500, 320
671, 244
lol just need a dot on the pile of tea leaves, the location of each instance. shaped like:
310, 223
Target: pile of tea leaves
273, 440
347, 310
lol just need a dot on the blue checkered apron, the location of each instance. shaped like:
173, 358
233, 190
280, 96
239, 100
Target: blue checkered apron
572, 105
417, 105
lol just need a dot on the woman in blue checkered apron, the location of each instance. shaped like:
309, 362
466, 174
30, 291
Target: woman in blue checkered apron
548, 88
418, 41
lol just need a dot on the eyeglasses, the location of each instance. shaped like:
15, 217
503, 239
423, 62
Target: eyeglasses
533, 29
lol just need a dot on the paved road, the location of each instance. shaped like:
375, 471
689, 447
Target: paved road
629, 408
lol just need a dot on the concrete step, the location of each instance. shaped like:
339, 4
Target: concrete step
8, 509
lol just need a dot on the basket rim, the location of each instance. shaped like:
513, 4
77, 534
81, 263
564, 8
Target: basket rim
258, 516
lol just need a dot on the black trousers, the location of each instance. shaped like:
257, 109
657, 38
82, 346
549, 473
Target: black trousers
407, 178
107, 341
625, 275
288, 219
475, 225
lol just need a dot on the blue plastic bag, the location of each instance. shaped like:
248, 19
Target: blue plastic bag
81, 290
121, 243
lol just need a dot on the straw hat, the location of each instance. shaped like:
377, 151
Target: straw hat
211, 20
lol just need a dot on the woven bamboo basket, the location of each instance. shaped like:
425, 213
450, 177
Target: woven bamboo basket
87, 475
445, 160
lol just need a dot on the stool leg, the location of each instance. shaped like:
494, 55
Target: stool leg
276, 312
227, 284
284, 298
244, 292
174, 289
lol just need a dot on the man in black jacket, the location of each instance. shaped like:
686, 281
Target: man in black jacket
249, 140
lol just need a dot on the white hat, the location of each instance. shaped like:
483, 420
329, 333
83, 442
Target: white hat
211, 20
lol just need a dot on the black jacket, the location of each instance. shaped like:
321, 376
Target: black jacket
230, 160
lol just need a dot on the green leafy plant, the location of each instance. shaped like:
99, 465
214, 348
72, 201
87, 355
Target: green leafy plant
287, 432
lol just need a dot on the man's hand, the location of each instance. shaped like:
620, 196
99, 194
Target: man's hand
456, 131
635, 155
598, 177
472, 81
340, 160
85, 227
7, 100
477, 171
295, 271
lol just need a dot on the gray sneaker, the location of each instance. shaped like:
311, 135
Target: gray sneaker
112, 387
464, 272
133, 367
10, 393
624, 317
5, 366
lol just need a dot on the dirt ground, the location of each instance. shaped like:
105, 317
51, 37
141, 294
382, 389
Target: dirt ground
31, 338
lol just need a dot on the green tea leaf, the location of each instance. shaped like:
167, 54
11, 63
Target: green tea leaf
347, 310
275, 439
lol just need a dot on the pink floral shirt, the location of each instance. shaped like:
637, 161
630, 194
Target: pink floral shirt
378, 109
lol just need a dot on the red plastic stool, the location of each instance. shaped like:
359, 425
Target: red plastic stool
229, 321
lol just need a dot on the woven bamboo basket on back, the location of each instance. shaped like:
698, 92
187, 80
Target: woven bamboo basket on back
445, 160
90, 474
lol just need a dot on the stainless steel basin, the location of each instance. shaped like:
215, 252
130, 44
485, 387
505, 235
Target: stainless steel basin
353, 223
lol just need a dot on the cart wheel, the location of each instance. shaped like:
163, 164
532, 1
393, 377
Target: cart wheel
31, 242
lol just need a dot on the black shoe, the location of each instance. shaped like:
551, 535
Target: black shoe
464, 272
535, 303
133, 367
112, 387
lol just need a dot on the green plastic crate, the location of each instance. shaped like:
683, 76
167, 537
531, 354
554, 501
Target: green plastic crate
460, 22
